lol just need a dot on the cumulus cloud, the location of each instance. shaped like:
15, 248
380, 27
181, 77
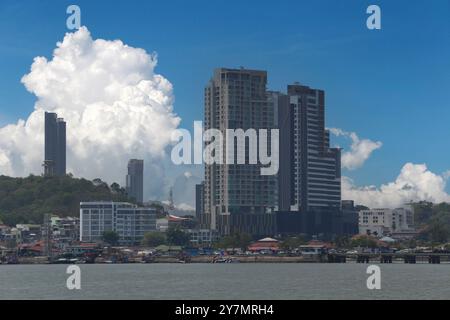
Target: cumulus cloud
185, 207
414, 183
184, 190
446, 175
360, 149
115, 105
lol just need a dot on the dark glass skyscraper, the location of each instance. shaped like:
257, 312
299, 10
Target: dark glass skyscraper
55, 145
309, 178
135, 180
199, 201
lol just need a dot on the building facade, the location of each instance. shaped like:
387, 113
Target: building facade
127, 220
199, 201
309, 178
202, 237
55, 145
135, 180
383, 222
237, 99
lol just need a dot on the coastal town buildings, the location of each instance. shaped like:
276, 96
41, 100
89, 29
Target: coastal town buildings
305, 195
202, 237
383, 222
129, 221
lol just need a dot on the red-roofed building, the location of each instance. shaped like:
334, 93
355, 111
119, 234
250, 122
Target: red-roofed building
326, 245
266, 244
36, 248
183, 222
173, 218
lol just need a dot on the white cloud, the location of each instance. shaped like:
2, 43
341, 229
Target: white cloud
360, 149
114, 104
414, 183
184, 189
185, 207
446, 175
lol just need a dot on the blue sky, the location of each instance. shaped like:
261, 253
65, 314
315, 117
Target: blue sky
391, 85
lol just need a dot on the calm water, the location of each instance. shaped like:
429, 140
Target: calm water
225, 281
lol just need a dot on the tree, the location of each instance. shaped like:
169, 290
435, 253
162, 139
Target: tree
237, 240
177, 237
411, 244
438, 232
423, 211
243, 240
342, 241
292, 243
117, 189
26, 200
364, 241
154, 239
110, 237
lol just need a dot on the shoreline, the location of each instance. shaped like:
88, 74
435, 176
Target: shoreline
170, 259
213, 259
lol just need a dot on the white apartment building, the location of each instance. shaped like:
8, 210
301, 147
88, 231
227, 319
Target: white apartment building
384, 221
202, 236
127, 220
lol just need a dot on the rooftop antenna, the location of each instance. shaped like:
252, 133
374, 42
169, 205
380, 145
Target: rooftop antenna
171, 205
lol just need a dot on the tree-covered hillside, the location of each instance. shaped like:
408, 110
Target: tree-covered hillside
433, 220
26, 200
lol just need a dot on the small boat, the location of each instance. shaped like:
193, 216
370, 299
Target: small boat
225, 260
62, 261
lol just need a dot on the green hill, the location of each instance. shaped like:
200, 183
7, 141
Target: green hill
26, 200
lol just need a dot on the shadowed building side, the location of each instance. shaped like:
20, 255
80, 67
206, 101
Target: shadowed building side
55, 145
135, 180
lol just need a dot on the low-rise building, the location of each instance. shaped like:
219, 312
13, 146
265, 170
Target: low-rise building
127, 220
65, 229
4, 230
382, 222
202, 237
29, 233
265, 245
186, 222
162, 224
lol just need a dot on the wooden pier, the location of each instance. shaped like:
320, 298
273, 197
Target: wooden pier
411, 258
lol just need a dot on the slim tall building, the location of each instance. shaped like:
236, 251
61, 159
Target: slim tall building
55, 145
135, 180
237, 197
199, 201
310, 171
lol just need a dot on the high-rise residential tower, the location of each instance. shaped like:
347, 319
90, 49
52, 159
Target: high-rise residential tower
237, 197
309, 179
135, 180
199, 201
55, 145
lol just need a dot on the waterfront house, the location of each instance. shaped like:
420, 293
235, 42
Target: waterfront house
265, 245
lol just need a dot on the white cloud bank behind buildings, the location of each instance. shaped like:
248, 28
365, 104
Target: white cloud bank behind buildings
117, 108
